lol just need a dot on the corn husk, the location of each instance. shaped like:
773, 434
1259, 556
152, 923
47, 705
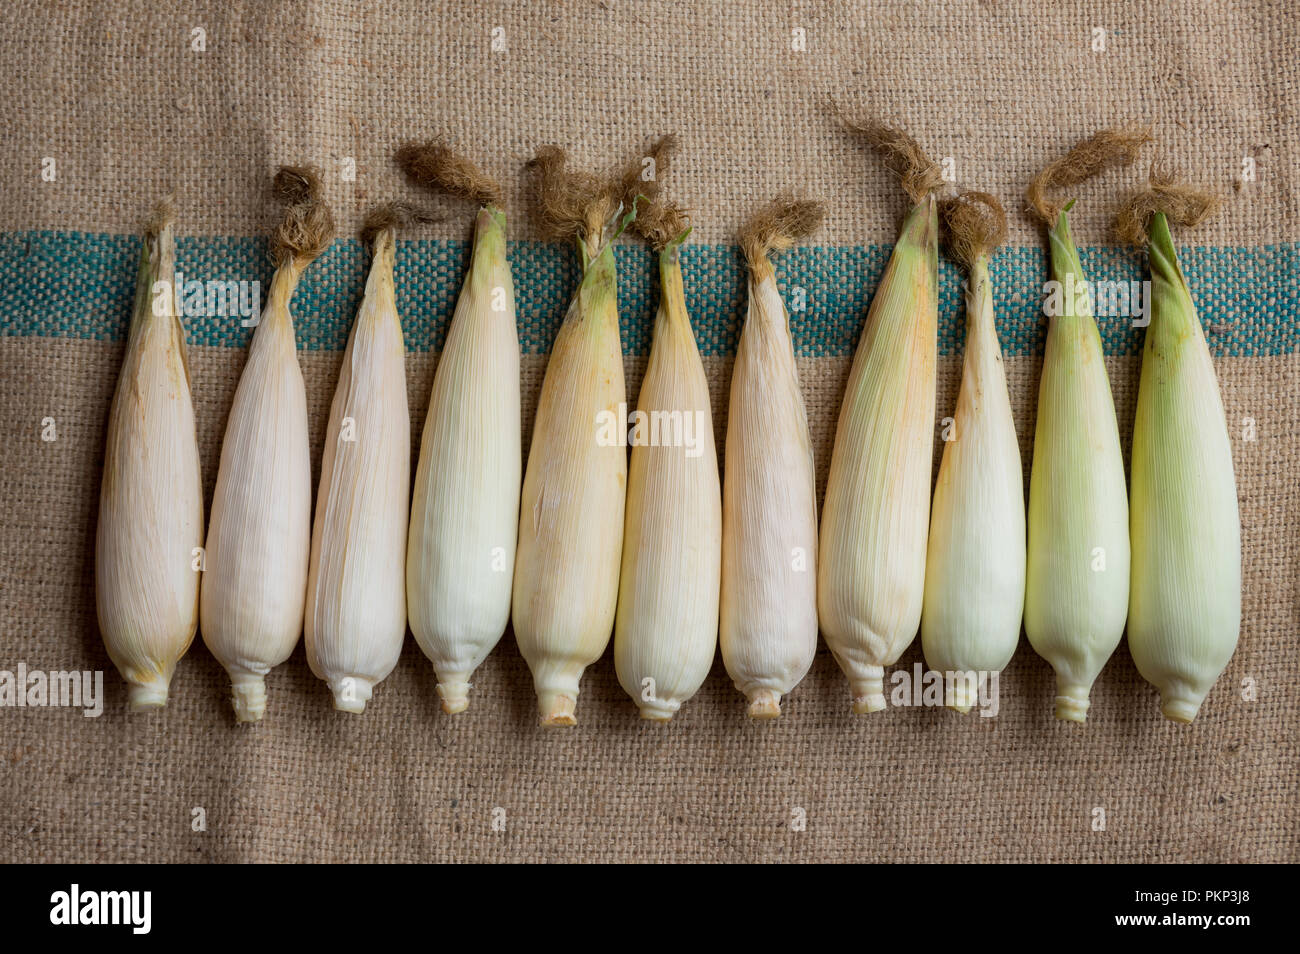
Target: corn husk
1185, 600
355, 619
465, 512
259, 535
975, 560
666, 626
875, 517
1077, 574
572, 507
151, 500
768, 613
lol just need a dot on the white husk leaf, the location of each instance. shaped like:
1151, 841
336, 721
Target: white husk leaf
1185, 603
666, 628
151, 500
259, 535
1077, 572
572, 506
768, 618
871, 574
975, 562
355, 618
465, 513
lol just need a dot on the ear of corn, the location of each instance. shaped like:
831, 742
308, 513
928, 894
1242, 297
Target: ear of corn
572, 506
975, 563
768, 611
875, 516
1185, 603
259, 534
356, 589
151, 501
1077, 575
666, 628
465, 514
769, 577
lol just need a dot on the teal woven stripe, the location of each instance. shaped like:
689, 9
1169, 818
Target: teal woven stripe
80, 285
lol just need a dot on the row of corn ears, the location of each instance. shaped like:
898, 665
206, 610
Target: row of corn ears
585, 542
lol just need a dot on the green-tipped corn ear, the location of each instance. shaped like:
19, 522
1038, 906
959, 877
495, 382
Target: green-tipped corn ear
1185, 605
876, 516
465, 508
1077, 574
572, 506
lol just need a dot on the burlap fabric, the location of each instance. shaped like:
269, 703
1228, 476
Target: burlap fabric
116, 93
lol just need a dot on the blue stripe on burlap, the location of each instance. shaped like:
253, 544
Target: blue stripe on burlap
81, 285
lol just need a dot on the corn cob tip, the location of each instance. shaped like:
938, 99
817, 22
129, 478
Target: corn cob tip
488, 218
557, 710
1101, 151
775, 227
918, 174
661, 223
435, 163
1179, 710
658, 220
307, 227
351, 693
151, 695
572, 203
864, 704
868, 687
764, 704
454, 694
659, 711
248, 694
161, 216
976, 225
634, 182
390, 216
1184, 204
1072, 704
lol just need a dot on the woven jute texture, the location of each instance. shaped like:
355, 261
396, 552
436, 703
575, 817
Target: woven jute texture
117, 95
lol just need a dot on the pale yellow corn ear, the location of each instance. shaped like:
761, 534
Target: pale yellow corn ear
150, 532
1185, 601
875, 517
768, 610
1077, 574
572, 507
666, 627
975, 559
355, 619
465, 513
259, 534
